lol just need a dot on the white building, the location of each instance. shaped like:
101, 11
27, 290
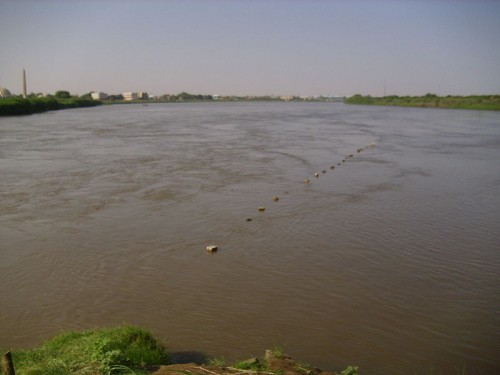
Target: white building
99, 95
130, 96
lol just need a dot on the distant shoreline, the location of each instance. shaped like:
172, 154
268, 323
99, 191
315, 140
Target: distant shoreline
17, 106
473, 102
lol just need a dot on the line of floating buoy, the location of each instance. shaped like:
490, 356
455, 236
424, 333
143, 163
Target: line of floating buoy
332, 167
275, 198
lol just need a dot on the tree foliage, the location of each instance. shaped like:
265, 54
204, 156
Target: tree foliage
18, 106
62, 94
86, 96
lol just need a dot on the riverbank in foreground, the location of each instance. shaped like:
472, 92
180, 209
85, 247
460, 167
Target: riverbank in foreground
20, 106
132, 350
474, 102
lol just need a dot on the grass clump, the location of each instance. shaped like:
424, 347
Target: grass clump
278, 351
350, 370
122, 350
253, 365
217, 361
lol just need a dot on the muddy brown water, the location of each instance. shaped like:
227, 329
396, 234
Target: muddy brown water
391, 261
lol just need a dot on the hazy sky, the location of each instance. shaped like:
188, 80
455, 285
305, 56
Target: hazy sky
286, 47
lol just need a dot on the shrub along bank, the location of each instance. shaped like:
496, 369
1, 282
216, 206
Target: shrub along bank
21, 106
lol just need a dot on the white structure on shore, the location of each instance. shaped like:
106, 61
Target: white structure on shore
25, 91
99, 95
4, 93
130, 96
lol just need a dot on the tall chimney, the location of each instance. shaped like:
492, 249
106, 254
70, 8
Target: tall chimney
24, 84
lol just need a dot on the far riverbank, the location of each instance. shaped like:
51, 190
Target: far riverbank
474, 102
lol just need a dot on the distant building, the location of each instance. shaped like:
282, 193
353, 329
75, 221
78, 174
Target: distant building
99, 95
143, 96
4, 93
130, 96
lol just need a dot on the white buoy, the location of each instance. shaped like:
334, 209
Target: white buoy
212, 248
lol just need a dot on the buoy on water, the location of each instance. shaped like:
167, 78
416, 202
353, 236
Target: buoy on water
212, 248
276, 198
262, 209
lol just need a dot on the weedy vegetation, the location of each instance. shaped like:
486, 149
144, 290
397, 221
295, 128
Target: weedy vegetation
217, 361
122, 350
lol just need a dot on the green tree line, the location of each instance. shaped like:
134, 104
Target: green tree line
16, 106
477, 102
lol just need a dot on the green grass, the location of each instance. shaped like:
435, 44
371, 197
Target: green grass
350, 370
253, 366
122, 350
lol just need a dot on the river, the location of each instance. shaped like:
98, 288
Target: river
390, 261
